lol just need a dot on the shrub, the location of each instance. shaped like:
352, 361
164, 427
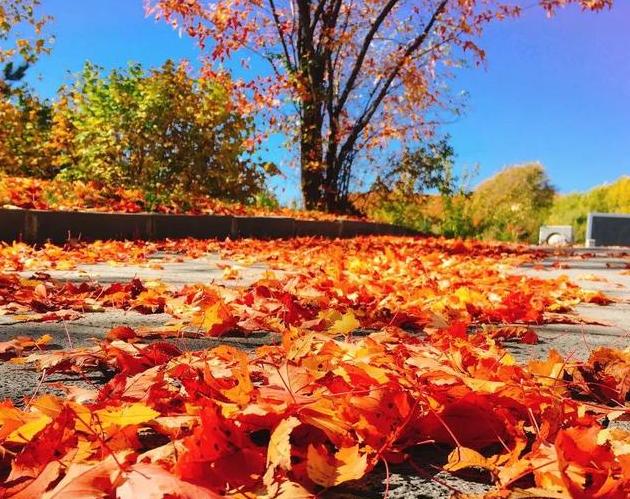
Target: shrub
513, 204
25, 127
399, 194
161, 131
456, 219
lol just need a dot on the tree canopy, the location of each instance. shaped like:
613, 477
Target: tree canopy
514, 203
573, 208
161, 130
353, 76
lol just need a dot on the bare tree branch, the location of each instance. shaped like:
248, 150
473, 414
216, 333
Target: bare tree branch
365, 118
363, 52
316, 15
285, 48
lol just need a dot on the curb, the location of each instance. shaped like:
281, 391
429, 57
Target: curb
39, 226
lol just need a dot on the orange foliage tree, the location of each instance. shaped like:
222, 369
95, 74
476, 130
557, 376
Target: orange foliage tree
356, 75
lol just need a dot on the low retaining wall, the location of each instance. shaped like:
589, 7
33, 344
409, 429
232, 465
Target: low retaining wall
38, 226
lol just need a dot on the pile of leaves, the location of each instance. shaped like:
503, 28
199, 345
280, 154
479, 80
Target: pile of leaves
389, 349
41, 194
317, 412
368, 282
43, 299
23, 257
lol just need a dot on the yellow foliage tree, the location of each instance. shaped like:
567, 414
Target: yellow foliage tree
22, 38
573, 209
24, 137
160, 130
513, 204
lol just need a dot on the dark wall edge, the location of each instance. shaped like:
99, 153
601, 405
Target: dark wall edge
39, 226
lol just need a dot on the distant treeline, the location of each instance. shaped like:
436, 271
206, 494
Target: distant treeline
510, 206
573, 209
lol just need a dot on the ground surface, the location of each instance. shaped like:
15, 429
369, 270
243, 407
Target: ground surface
602, 273
599, 273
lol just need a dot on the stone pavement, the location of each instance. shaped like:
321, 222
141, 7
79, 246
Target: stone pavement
206, 269
603, 273
600, 273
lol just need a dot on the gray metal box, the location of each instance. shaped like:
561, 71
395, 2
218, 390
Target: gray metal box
608, 229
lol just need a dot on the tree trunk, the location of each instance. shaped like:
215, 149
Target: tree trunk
331, 189
311, 187
311, 151
324, 182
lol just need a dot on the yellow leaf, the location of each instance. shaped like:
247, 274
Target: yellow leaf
353, 465
279, 451
467, 295
230, 273
292, 490
348, 464
43, 340
84, 421
241, 392
463, 457
214, 316
48, 404
483, 385
82, 452
617, 438
323, 414
27, 431
283, 490
548, 371
128, 415
346, 324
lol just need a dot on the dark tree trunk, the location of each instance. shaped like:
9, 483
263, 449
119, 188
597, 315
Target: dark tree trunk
326, 158
311, 162
331, 188
311, 69
337, 183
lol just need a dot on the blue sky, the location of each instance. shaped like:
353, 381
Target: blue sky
554, 90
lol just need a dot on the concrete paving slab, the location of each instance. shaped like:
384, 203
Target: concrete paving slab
19, 382
608, 274
603, 272
403, 482
207, 269
572, 341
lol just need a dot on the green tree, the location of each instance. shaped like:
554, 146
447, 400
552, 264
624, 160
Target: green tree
513, 204
428, 166
161, 130
399, 193
25, 127
573, 209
